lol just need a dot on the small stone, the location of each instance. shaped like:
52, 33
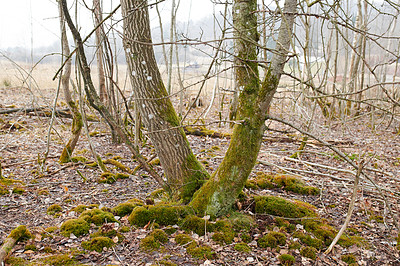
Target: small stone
250, 259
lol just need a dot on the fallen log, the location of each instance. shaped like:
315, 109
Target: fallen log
18, 234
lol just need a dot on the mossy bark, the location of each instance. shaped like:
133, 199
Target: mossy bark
219, 193
19, 233
183, 172
77, 122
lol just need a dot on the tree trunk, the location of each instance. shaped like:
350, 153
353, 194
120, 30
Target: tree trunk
219, 193
183, 172
76, 115
98, 17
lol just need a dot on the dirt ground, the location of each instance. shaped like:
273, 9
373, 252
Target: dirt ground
24, 141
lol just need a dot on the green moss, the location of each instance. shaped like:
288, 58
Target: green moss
20, 233
18, 190
161, 214
224, 232
107, 177
196, 225
167, 263
118, 165
272, 239
78, 227
30, 247
349, 258
156, 161
82, 208
183, 239
242, 222
97, 243
160, 236
123, 209
294, 245
158, 193
170, 230
53, 209
200, 252
348, 241
286, 259
14, 261
3, 190
59, 260
308, 252
81, 159
242, 247
281, 207
246, 238
308, 240
48, 250
9, 181
124, 229
51, 229
149, 243
97, 216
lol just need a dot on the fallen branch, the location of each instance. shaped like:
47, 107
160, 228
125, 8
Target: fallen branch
350, 211
18, 234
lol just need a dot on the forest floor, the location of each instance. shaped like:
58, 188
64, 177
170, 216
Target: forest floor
23, 142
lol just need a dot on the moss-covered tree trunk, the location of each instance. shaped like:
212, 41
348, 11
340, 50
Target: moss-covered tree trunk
183, 172
221, 190
76, 115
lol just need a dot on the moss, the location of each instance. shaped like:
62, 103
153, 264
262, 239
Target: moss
348, 241
97, 216
30, 247
242, 247
225, 232
183, 239
161, 214
200, 252
18, 190
149, 243
78, 227
77, 159
160, 236
124, 229
51, 229
308, 252
118, 165
97, 243
53, 209
156, 194
272, 239
308, 240
9, 181
154, 162
167, 263
14, 261
282, 207
3, 190
124, 208
20, 233
82, 208
246, 238
59, 260
48, 250
294, 245
196, 224
286, 259
170, 230
349, 258
107, 177
241, 222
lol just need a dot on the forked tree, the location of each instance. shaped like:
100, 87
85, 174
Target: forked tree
186, 178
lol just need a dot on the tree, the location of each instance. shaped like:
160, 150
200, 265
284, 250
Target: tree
181, 168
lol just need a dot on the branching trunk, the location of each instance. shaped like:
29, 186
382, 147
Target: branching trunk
76, 115
183, 172
220, 192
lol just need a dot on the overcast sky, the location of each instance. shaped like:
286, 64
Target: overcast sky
23, 22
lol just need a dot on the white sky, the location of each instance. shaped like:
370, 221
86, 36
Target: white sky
22, 21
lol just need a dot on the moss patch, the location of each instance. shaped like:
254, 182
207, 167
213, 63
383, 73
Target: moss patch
283, 208
78, 227
97, 243
110, 178
200, 252
126, 208
308, 252
154, 240
242, 247
183, 239
286, 182
20, 233
97, 216
82, 208
272, 240
349, 259
59, 260
286, 259
54, 209
161, 214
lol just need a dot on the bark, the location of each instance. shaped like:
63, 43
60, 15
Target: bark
219, 193
94, 99
76, 115
99, 50
183, 172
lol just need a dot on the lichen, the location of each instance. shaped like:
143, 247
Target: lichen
97, 243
